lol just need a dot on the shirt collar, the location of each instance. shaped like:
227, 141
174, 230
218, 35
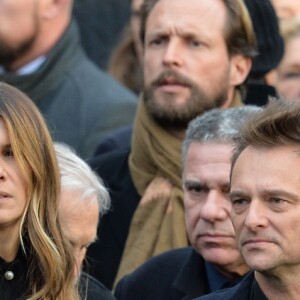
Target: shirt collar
29, 68
216, 280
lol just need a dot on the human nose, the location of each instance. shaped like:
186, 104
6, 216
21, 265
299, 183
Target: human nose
215, 208
2, 170
256, 216
173, 54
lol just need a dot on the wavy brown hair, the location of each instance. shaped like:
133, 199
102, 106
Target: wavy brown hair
49, 256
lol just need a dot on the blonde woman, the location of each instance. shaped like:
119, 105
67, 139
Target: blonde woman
35, 260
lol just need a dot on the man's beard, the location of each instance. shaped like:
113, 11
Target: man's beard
178, 117
9, 54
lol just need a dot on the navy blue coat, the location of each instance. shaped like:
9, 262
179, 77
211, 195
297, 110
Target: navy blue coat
241, 291
105, 254
175, 275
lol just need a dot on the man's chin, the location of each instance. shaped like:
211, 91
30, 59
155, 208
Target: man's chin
165, 97
218, 256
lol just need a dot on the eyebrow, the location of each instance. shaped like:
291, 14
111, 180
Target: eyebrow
237, 194
191, 182
269, 193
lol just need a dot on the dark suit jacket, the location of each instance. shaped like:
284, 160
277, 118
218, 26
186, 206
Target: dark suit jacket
92, 289
241, 291
105, 254
175, 275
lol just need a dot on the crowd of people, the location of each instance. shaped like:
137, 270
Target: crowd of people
149, 150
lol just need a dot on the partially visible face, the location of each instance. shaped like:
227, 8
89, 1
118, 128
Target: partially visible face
288, 71
79, 220
135, 24
186, 63
265, 194
207, 205
286, 8
19, 28
13, 187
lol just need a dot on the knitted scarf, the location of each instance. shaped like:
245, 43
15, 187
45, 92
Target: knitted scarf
158, 223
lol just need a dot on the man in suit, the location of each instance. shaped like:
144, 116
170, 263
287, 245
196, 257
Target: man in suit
214, 260
266, 205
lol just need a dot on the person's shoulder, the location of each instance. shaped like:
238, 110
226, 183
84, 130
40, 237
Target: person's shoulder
240, 291
113, 168
169, 260
94, 289
165, 267
106, 162
119, 138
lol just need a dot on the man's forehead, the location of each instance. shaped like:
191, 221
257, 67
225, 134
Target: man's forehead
72, 201
192, 8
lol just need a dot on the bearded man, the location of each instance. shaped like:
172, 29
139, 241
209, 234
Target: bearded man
197, 55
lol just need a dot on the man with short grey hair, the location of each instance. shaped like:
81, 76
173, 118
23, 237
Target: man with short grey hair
264, 194
214, 260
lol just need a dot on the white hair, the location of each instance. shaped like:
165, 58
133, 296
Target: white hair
76, 174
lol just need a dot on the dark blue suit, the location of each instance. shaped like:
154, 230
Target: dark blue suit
175, 275
247, 289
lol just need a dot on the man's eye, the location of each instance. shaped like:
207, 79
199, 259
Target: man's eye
291, 75
156, 41
239, 202
276, 200
195, 43
195, 189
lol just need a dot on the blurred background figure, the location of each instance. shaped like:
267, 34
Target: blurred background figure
83, 198
127, 57
41, 54
288, 72
286, 9
270, 48
101, 23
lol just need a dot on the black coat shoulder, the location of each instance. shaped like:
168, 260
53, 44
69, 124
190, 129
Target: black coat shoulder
105, 254
167, 276
241, 291
92, 289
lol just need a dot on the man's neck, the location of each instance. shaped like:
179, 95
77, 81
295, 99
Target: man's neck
283, 286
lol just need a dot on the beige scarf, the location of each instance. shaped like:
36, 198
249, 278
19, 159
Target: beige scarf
158, 223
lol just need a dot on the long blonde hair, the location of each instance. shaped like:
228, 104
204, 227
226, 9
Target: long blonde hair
49, 256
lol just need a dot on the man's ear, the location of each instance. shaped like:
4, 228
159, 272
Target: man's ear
52, 8
240, 68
